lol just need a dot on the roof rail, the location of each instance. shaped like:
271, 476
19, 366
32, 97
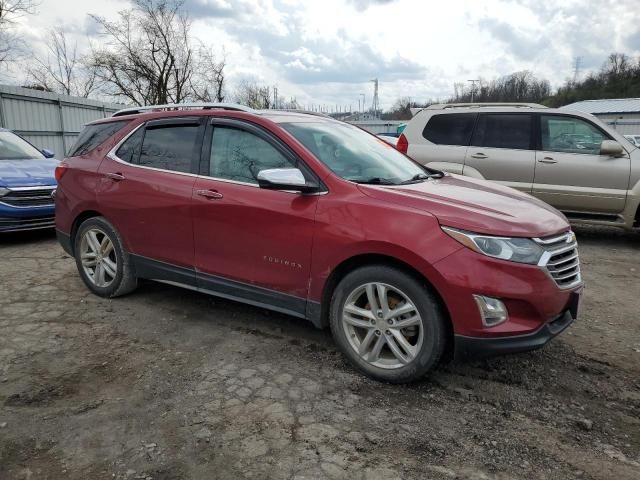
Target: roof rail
297, 110
183, 106
442, 106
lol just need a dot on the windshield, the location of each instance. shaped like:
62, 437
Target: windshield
355, 155
12, 147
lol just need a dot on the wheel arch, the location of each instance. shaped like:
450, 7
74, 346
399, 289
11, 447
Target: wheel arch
361, 260
77, 221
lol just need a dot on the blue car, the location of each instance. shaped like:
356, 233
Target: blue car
27, 183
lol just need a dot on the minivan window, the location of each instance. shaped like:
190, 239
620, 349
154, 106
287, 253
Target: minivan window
239, 155
503, 131
93, 135
450, 129
12, 147
560, 133
169, 147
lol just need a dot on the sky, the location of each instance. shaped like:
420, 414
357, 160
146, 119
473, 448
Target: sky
327, 51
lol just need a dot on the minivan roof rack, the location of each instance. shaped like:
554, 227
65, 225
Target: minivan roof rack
442, 106
183, 106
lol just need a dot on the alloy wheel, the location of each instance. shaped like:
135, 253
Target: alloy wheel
382, 325
98, 257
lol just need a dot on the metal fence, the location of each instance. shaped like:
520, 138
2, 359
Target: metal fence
49, 120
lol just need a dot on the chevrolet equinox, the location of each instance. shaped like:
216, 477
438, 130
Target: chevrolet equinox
317, 219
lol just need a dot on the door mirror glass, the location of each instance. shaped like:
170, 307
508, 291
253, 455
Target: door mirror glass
285, 179
611, 148
47, 153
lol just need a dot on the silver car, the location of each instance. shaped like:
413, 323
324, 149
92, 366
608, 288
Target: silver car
569, 159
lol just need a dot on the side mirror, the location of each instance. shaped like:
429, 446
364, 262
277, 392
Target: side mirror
611, 148
47, 153
285, 179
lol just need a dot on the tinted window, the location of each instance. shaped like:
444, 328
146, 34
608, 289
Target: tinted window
453, 129
569, 134
503, 131
93, 135
169, 147
12, 147
239, 155
129, 151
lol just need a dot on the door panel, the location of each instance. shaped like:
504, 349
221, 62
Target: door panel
500, 150
148, 202
246, 233
571, 174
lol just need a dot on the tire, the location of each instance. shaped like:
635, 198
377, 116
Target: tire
112, 282
352, 319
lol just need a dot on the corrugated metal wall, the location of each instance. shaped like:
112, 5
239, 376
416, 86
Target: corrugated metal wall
49, 120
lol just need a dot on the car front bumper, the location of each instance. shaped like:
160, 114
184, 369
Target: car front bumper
482, 347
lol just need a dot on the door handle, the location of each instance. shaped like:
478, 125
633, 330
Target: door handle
210, 194
478, 155
116, 177
547, 160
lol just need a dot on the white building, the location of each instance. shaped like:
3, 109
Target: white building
623, 114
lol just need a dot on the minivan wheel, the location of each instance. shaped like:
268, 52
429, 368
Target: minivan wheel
388, 324
101, 259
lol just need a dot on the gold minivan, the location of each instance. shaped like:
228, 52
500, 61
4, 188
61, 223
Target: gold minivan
566, 158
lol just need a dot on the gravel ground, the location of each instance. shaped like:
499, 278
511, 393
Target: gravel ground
171, 384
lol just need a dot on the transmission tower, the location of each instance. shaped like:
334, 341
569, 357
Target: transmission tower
375, 104
576, 68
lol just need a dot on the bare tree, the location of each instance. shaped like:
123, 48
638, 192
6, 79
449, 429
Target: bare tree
148, 58
253, 95
62, 71
11, 45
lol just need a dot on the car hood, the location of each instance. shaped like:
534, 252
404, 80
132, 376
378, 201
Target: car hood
28, 172
475, 205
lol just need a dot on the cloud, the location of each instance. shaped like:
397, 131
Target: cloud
524, 45
364, 4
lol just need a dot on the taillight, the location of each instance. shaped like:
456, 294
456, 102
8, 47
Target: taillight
60, 171
403, 144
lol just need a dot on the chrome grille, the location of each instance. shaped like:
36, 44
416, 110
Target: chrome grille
560, 259
28, 197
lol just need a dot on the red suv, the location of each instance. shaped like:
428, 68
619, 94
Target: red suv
317, 219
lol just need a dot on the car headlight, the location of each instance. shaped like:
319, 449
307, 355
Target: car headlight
4, 191
521, 250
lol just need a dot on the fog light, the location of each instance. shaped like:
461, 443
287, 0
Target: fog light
492, 311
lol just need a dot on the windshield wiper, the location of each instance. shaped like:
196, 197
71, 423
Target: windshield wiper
418, 177
375, 181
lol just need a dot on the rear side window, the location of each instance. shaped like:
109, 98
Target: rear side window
129, 151
168, 147
93, 135
450, 129
503, 131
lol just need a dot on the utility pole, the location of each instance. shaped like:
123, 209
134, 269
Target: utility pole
363, 97
473, 87
275, 97
375, 104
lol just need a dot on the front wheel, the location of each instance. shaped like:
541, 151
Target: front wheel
101, 259
388, 324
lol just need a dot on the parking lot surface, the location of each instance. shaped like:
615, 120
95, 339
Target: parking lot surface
171, 384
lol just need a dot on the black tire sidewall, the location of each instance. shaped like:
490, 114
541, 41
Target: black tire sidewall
102, 224
430, 312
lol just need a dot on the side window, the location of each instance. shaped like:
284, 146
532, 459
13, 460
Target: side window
561, 133
170, 147
93, 135
450, 129
129, 151
239, 155
503, 131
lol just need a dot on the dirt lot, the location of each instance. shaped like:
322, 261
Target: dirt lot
171, 384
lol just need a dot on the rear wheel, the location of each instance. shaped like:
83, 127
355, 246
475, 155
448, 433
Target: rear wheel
101, 259
387, 324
